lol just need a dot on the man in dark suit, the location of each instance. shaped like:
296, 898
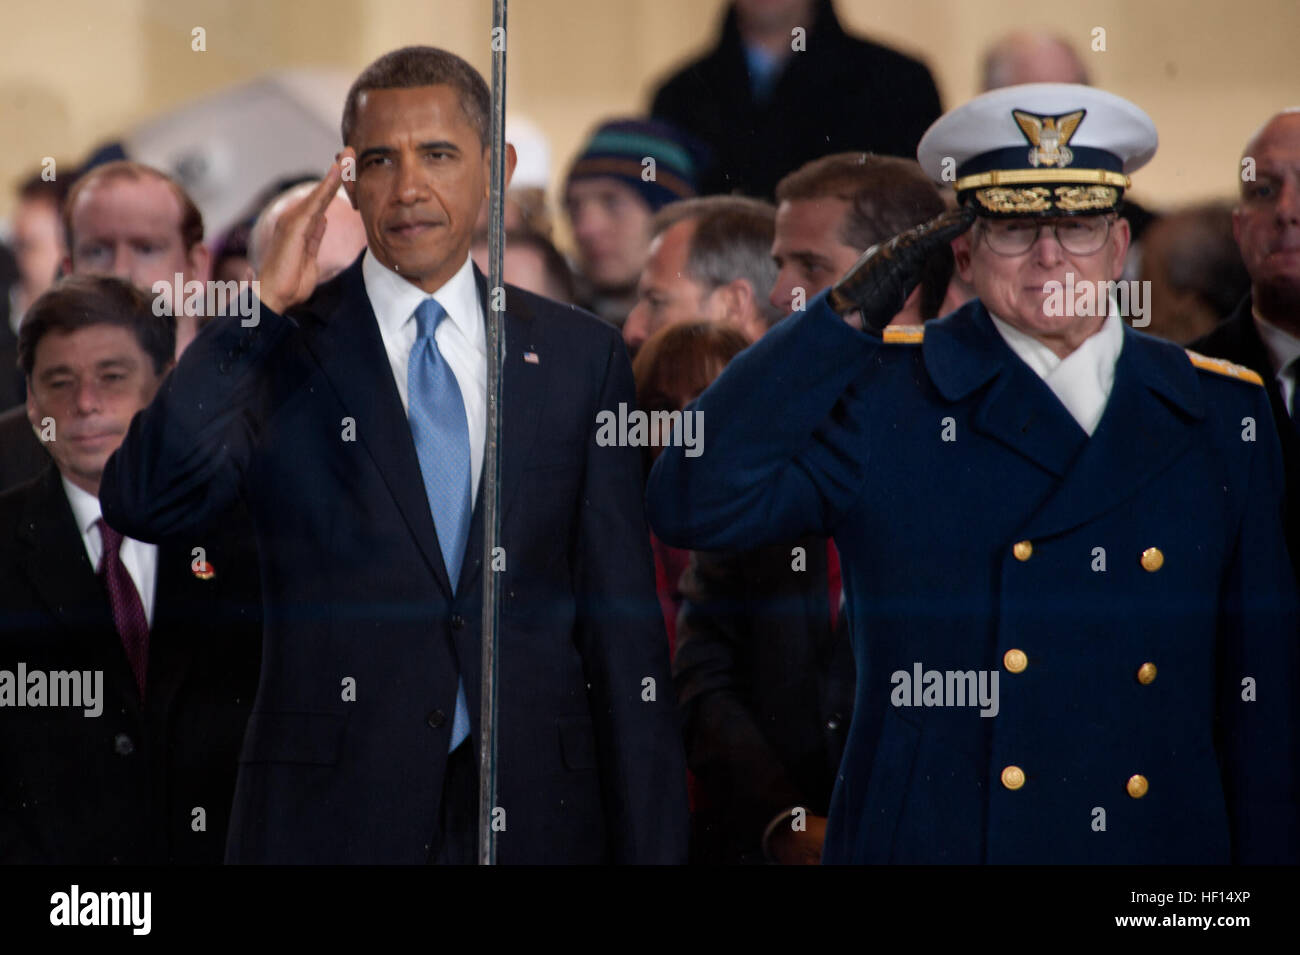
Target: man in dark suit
140, 768
355, 426
1263, 332
786, 84
1073, 618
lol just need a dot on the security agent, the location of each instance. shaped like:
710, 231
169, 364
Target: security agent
1088, 511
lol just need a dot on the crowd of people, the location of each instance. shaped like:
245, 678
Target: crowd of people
258, 545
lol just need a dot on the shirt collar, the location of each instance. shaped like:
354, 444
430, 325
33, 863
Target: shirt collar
395, 300
1282, 347
85, 506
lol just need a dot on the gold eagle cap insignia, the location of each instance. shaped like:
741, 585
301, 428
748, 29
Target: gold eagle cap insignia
1049, 136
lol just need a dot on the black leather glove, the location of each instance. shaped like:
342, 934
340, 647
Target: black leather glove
880, 281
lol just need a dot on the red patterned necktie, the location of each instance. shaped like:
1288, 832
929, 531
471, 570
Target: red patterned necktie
128, 611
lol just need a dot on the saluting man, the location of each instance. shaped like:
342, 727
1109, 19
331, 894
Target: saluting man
1073, 613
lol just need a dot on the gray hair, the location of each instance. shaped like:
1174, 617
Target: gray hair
732, 240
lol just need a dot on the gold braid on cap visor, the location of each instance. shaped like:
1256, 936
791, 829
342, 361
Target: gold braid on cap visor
992, 194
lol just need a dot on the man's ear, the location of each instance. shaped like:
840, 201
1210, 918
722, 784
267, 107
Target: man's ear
961, 254
512, 160
1236, 225
32, 417
200, 260
347, 160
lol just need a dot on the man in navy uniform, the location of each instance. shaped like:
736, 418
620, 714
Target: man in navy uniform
1073, 615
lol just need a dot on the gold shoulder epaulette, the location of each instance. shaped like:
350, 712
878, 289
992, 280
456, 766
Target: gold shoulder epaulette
1221, 367
904, 334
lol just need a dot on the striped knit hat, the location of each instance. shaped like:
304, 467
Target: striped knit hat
619, 148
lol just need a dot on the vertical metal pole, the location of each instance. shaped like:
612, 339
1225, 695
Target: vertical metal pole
487, 753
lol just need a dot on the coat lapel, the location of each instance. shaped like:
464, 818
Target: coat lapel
347, 344
59, 571
1149, 422
523, 386
964, 352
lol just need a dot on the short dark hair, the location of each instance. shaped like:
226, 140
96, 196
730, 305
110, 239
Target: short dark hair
413, 66
732, 240
191, 224
886, 195
80, 301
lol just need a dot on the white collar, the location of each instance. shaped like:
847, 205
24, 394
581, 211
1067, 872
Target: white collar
85, 506
394, 299
1282, 347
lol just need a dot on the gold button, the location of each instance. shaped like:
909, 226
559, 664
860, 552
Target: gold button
1152, 559
1013, 777
1015, 660
1137, 786
1147, 673
1023, 550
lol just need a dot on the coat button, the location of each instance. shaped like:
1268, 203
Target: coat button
1137, 786
123, 745
1013, 777
1152, 559
832, 724
437, 718
457, 622
1015, 660
1023, 550
1146, 673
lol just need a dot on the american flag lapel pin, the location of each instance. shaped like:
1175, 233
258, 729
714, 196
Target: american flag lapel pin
531, 358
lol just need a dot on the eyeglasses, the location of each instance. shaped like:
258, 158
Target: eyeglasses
1078, 235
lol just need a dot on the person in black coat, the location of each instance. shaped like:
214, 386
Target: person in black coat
136, 762
786, 84
1263, 331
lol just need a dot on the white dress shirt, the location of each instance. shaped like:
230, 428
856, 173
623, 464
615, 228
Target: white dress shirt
1283, 349
461, 339
139, 559
1082, 380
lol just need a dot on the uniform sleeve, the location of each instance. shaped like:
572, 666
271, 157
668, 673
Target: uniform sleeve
1259, 666
779, 458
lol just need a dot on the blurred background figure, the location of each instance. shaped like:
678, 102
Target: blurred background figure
133, 221
671, 371
1031, 56
37, 243
833, 209
526, 205
710, 259
343, 241
610, 197
1194, 266
786, 84
531, 262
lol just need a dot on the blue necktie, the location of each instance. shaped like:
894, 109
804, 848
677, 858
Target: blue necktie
441, 433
